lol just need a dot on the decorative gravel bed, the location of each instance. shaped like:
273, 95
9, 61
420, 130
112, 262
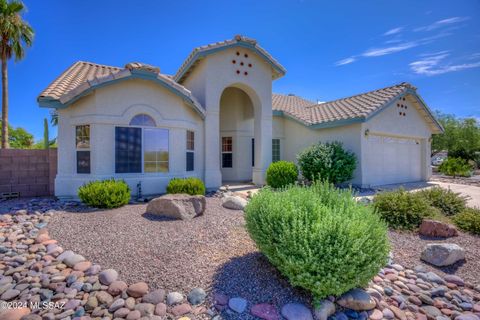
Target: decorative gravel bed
407, 248
212, 251
35, 269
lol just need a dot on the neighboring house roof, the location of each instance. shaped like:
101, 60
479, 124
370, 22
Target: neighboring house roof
238, 41
357, 108
83, 77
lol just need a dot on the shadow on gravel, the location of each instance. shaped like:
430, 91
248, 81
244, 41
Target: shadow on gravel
451, 269
253, 278
154, 217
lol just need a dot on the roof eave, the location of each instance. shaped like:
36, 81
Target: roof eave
69, 98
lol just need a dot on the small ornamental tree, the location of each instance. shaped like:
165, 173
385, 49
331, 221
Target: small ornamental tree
327, 161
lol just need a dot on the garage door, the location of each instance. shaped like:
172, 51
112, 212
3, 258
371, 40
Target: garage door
393, 160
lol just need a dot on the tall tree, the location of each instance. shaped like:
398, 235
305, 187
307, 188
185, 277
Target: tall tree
15, 35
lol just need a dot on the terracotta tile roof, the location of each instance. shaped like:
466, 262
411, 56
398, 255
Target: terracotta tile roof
83, 76
200, 52
77, 74
358, 106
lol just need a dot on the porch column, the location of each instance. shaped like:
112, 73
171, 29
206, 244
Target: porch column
213, 176
263, 144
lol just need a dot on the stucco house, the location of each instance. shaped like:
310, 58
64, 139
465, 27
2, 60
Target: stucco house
218, 120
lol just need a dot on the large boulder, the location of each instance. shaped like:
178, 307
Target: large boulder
443, 254
234, 202
178, 206
432, 228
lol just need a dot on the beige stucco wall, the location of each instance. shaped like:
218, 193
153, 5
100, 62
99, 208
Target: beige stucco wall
295, 137
115, 105
209, 79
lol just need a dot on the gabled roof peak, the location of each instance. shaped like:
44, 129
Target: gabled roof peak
238, 40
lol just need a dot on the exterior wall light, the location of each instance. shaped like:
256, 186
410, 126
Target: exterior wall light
367, 132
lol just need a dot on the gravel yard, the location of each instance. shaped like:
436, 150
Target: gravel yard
213, 251
407, 248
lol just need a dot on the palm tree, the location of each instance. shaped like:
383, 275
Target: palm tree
15, 33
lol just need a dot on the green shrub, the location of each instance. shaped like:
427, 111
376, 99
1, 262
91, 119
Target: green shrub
105, 194
319, 237
191, 186
447, 201
455, 167
401, 209
281, 174
327, 161
468, 220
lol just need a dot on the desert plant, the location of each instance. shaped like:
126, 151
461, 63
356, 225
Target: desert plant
401, 209
455, 167
447, 201
319, 237
468, 220
191, 186
281, 173
105, 193
327, 161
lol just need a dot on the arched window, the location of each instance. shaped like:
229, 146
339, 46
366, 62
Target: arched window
143, 120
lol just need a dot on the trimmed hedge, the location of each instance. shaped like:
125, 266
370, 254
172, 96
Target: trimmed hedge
105, 194
447, 201
281, 174
327, 161
191, 186
468, 220
401, 209
319, 237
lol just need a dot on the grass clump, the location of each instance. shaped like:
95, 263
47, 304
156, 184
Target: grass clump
191, 186
105, 193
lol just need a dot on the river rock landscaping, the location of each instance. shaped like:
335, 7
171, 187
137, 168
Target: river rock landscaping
204, 268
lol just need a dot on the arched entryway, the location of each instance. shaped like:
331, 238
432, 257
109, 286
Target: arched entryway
237, 139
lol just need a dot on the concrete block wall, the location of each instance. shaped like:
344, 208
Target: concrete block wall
28, 172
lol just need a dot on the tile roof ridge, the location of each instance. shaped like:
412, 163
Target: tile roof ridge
95, 64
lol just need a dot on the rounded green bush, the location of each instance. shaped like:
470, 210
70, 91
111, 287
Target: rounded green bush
281, 174
401, 209
455, 167
191, 186
327, 161
105, 194
447, 201
468, 220
319, 237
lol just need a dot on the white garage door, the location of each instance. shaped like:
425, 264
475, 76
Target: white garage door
393, 160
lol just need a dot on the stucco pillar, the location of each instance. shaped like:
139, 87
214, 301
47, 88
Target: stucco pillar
426, 158
213, 176
263, 145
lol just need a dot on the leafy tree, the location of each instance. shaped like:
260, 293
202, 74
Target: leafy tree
19, 138
15, 34
461, 137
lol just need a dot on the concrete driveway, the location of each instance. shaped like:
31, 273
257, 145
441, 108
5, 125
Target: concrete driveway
471, 191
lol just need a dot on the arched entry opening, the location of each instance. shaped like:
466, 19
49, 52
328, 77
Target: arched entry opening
237, 135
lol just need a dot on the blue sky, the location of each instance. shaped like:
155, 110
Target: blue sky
331, 49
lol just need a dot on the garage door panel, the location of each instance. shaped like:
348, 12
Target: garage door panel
393, 160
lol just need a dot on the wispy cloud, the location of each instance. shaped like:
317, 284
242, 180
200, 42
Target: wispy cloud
433, 64
345, 61
377, 52
441, 23
393, 31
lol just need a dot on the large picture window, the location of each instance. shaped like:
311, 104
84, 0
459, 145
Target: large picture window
82, 145
227, 152
275, 150
190, 165
139, 149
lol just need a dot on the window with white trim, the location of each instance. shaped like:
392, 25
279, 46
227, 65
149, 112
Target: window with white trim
141, 147
227, 152
190, 165
82, 145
